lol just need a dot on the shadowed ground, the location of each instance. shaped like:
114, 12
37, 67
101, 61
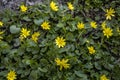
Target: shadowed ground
13, 4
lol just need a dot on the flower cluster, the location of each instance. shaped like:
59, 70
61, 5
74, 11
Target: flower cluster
45, 25
109, 13
23, 8
80, 25
91, 50
70, 6
11, 75
60, 42
62, 63
24, 33
53, 6
93, 24
107, 32
67, 36
103, 77
35, 36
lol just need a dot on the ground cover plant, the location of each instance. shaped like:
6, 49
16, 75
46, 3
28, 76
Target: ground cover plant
61, 40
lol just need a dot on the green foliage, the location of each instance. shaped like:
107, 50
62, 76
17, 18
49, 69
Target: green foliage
36, 61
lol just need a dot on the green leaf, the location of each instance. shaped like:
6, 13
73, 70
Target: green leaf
26, 61
60, 25
14, 29
81, 75
26, 18
38, 21
3, 73
33, 75
97, 66
69, 36
88, 65
16, 42
31, 43
43, 69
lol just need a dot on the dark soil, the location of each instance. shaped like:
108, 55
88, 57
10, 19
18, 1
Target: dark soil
14, 4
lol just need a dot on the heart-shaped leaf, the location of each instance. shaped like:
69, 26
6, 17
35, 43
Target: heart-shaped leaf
38, 21
14, 29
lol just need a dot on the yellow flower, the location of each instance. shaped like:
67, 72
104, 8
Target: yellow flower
1, 23
23, 8
24, 33
107, 32
93, 24
103, 25
11, 75
1, 32
62, 63
60, 42
91, 50
35, 36
70, 6
103, 77
53, 6
109, 12
80, 25
45, 25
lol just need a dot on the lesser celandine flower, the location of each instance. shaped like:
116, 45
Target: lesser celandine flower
70, 6
103, 24
35, 36
45, 25
11, 75
91, 50
109, 13
53, 6
103, 77
80, 25
62, 63
93, 24
107, 32
24, 33
1, 23
23, 8
60, 42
